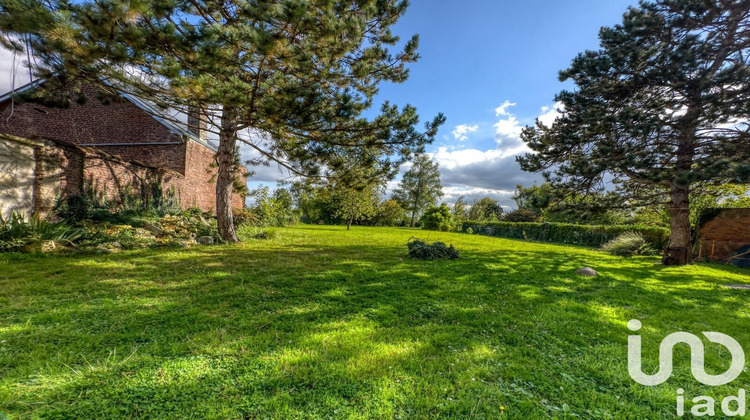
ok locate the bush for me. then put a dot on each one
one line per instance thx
(15, 232)
(249, 232)
(245, 217)
(424, 251)
(587, 235)
(437, 218)
(93, 203)
(273, 210)
(521, 215)
(628, 244)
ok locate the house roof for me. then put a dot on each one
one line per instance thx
(176, 127)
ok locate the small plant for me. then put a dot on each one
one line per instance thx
(255, 232)
(243, 217)
(469, 230)
(435, 251)
(628, 244)
(16, 232)
(91, 204)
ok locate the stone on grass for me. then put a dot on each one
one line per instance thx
(109, 247)
(587, 272)
(39, 247)
(154, 229)
(186, 243)
(205, 240)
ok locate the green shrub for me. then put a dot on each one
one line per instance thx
(587, 235)
(146, 200)
(425, 251)
(245, 217)
(275, 209)
(628, 244)
(255, 232)
(521, 215)
(16, 232)
(437, 218)
(91, 204)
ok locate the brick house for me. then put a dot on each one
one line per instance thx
(48, 151)
(723, 232)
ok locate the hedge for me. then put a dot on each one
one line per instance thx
(587, 235)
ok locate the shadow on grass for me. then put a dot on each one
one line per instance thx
(309, 330)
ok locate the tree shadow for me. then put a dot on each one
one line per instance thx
(282, 331)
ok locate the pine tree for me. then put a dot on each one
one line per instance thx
(420, 187)
(289, 78)
(659, 111)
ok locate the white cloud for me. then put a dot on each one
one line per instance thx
(503, 109)
(6, 70)
(461, 132)
(507, 128)
(451, 194)
(550, 114)
(491, 173)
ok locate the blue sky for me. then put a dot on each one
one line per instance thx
(491, 67)
(477, 56)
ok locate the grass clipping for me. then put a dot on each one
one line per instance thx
(435, 251)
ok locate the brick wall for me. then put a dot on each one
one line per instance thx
(99, 122)
(117, 128)
(727, 232)
(198, 187)
(119, 177)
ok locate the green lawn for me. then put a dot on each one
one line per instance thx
(321, 322)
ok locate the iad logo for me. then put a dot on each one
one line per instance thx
(703, 405)
(696, 352)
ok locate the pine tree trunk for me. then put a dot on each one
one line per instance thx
(225, 177)
(679, 207)
(679, 219)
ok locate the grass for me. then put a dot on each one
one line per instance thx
(321, 322)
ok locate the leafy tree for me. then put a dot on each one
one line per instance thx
(284, 200)
(660, 110)
(290, 79)
(273, 209)
(712, 197)
(354, 202)
(557, 205)
(460, 209)
(437, 218)
(536, 198)
(390, 213)
(485, 209)
(521, 215)
(311, 201)
(420, 187)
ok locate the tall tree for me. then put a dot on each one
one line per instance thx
(460, 209)
(485, 209)
(354, 203)
(420, 187)
(291, 79)
(390, 213)
(660, 110)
